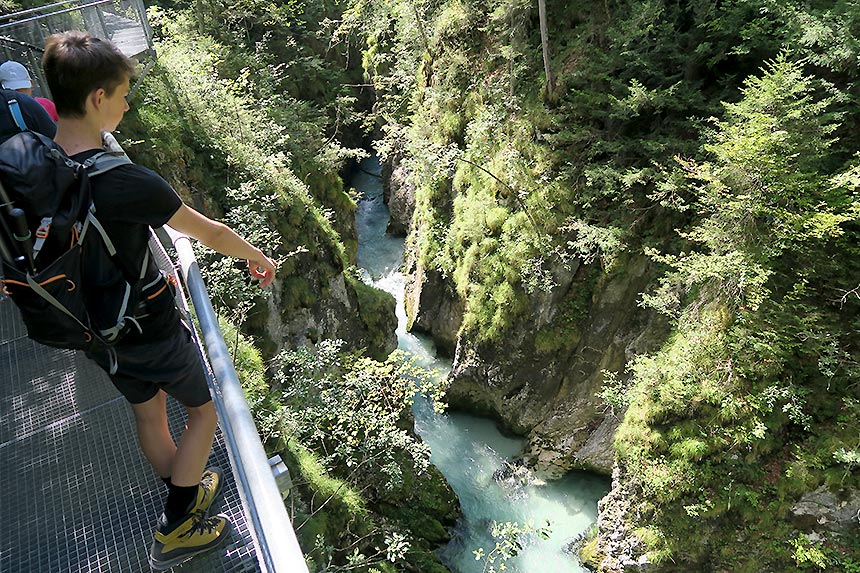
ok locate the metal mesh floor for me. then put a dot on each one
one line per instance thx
(76, 493)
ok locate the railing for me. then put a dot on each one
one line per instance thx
(278, 549)
(124, 22)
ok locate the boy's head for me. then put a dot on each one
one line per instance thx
(76, 64)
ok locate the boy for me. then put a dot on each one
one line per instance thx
(89, 78)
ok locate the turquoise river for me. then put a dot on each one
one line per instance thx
(471, 452)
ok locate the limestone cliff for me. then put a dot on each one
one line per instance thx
(432, 306)
(541, 381)
(546, 389)
(346, 309)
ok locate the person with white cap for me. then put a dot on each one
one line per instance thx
(14, 76)
(20, 112)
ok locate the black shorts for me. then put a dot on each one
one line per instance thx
(172, 365)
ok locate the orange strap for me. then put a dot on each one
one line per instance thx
(156, 293)
(43, 283)
(72, 285)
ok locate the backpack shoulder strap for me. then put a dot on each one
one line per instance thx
(104, 161)
(96, 165)
(17, 116)
(100, 163)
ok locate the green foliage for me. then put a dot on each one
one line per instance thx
(748, 371)
(744, 408)
(241, 156)
(239, 149)
(352, 408)
(809, 553)
(510, 540)
(8, 6)
(565, 331)
(320, 481)
(374, 498)
(752, 400)
(375, 307)
(246, 360)
(246, 116)
(340, 426)
(614, 393)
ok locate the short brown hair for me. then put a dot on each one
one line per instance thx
(76, 63)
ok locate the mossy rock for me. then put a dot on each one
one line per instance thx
(425, 562)
(376, 309)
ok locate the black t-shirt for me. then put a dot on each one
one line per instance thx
(35, 116)
(129, 200)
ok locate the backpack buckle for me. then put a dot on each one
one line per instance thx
(42, 231)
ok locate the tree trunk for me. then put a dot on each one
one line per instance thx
(419, 22)
(199, 14)
(544, 40)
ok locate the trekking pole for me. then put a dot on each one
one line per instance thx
(6, 245)
(21, 234)
(4, 250)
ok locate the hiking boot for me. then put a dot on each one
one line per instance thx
(189, 536)
(210, 487)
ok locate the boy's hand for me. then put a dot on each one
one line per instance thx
(262, 268)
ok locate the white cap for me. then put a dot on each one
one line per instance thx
(14, 76)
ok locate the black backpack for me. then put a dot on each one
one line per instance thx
(47, 229)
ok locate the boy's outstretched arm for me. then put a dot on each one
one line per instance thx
(223, 239)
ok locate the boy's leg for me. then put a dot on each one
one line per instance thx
(190, 457)
(181, 473)
(146, 373)
(153, 434)
(178, 539)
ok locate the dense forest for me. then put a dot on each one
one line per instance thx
(633, 224)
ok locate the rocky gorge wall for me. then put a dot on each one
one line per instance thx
(314, 296)
(542, 380)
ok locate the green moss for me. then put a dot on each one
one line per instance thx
(345, 499)
(565, 331)
(424, 561)
(590, 554)
(298, 292)
(246, 359)
(376, 309)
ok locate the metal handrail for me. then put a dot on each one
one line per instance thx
(58, 12)
(278, 549)
(18, 30)
(13, 15)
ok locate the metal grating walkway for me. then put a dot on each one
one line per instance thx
(76, 494)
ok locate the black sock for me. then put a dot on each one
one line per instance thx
(179, 500)
(167, 482)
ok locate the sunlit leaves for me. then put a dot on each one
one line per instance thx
(351, 409)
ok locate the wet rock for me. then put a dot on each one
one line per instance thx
(622, 551)
(432, 307)
(337, 314)
(398, 193)
(545, 388)
(825, 510)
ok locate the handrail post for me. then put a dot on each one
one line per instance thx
(278, 549)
